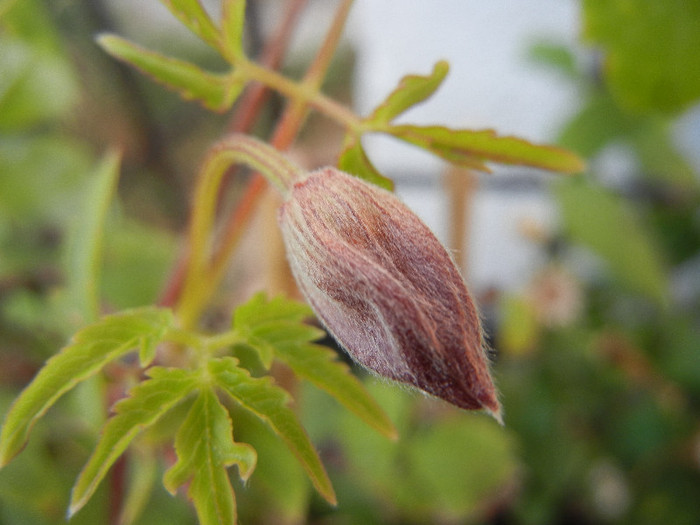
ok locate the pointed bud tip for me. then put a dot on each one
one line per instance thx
(497, 415)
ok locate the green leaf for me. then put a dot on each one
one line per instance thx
(259, 310)
(559, 57)
(216, 92)
(319, 365)
(147, 402)
(596, 125)
(269, 403)
(609, 227)
(86, 249)
(205, 447)
(232, 22)
(412, 90)
(276, 326)
(354, 160)
(650, 51)
(90, 350)
(471, 148)
(192, 14)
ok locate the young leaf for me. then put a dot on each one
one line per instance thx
(277, 327)
(473, 147)
(147, 402)
(216, 92)
(320, 366)
(354, 160)
(259, 310)
(252, 317)
(91, 349)
(192, 14)
(232, 21)
(412, 90)
(205, 447)
(269, 403)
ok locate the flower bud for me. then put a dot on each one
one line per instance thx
(385, 288)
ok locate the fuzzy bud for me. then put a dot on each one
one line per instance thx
(385, 288)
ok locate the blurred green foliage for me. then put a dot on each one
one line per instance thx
(598, 361)
(603, 396)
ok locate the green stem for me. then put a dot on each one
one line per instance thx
(303, 92)
(223, 340)
(234, 149)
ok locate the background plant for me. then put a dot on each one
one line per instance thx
(410, 478)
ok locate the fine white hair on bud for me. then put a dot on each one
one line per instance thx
(385, 288)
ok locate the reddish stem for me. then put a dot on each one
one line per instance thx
(248, 109)
(285, 133)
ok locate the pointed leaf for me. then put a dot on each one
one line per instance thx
(192, 14)
(265, 339)
(269, 403)
(232, 22)
(91, 349)
(354, 160)
(603, 222)
(412, 90)
(471, 148)
(259, 310)
(216, 92)
(86, 248)
(320, 366)
(275, 326)
(147, 402)
(205, 447)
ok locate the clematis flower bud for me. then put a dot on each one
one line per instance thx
(385, 288)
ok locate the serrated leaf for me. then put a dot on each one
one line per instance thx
(147, 402)
(269, 403)
(232, 22)
(611, 229)
(276, 327)
(259, 310)
(192, 14)
(205, 447)
(86, 248)
(412, 90)
(216, 92)
(320, 366)
(471, 148)
(90, 350)
(354, 160)
(257, 313)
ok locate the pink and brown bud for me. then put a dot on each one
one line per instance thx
(385, 288)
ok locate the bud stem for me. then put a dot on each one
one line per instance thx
(234, 149)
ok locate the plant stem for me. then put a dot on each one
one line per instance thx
(234, 149)
(250, 103)
(284, 135)
(201, 280)
(302, 92)
(246, 111)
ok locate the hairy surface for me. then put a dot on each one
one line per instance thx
(385, 288)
